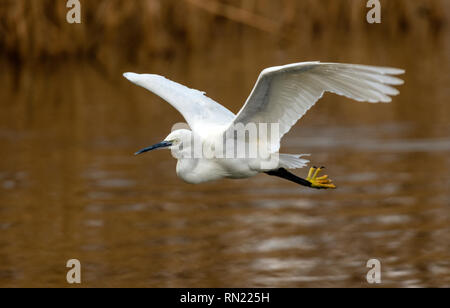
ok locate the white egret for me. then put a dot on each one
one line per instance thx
(281, 95)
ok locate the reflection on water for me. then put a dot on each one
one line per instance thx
(71, 188)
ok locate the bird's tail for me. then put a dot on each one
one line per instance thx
(293, 161)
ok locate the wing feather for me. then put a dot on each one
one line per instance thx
(283, 94)
(200, 112)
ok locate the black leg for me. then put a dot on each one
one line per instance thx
(283, 173)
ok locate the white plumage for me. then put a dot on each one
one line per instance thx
(282, 94)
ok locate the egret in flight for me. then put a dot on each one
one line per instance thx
(281, 95)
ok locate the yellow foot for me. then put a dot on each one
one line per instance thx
(319, 182)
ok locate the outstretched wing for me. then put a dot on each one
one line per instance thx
(200, 112)
(283, 94)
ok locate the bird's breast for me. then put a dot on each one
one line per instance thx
(197, 170)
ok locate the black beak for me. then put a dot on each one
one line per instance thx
(163, 144)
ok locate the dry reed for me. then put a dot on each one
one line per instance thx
(36, 29)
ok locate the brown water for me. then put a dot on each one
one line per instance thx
(71, 188)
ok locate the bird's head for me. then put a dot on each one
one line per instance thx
(177, 140)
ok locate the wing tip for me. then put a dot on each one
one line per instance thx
(130, 76)
(396, 71)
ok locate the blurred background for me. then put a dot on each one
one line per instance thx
(69, 123)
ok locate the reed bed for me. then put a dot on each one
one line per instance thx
(37, 29)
